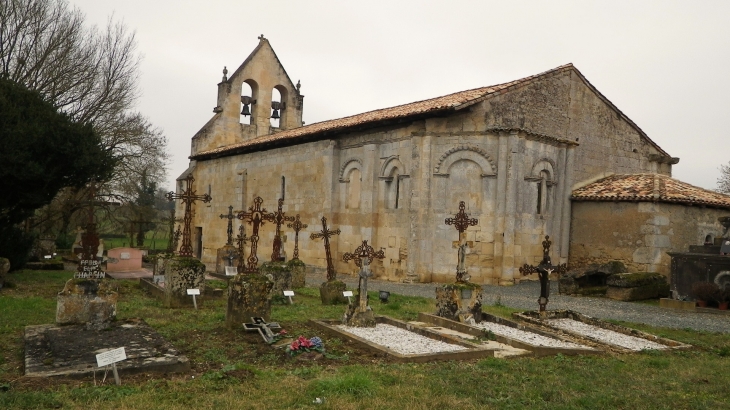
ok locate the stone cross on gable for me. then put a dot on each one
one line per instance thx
(241, 240)
(461, 221)
(297, 225)
(326, 234)
(231, 216)
(255, 217)
(544, 269)
(362, 256)
(279, 218)
(188, 197)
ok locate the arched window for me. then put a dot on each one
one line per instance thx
(283, 187)
(393, 198)
(465, 183)
(542, 192)
(353, 189)
(249, 92)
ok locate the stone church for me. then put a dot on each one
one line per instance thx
(512, 152)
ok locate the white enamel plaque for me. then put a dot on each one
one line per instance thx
(347, 293)
(288, 293)
(124, 255)
(193, 291)
(110, 356)
(231, 271)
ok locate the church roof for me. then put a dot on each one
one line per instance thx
(649, 188)
(433, 106)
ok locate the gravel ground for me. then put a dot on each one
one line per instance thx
(401, 340)
(605, 335)
(524, 336)
(524, 296)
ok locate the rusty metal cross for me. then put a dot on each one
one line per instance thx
(231, 216)
(279, 218)
(172, 238)
(544, 269)
(297, 225)
(326, 234)
(188, 197)
(461, 221)
(255, 217)
(241, 240)
(362, 256)
(89, 266)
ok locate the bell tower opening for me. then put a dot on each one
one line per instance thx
(249, 91)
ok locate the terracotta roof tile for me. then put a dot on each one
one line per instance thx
(649, 188)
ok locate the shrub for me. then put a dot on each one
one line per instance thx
(706, 291)
(15, 245)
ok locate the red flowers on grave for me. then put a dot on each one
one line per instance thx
(302, 345)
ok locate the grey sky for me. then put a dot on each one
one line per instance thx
(663, 63)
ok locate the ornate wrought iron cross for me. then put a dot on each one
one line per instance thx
(544, 269)
(231, 216)
(176, 239)
(362, 256)
(297, 225)
(255, 217)
(326, 234)
(279, 218)
(172, 241)
(461, 221)
(241, 240)
(188, 197)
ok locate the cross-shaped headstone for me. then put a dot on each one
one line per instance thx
(326, 234)
(231, 216)
(362, 256)
(241, 240)
(279, 218)
(297, 225)
(188, 197)
(264, 329)
(256, 217)
(544, 269)
(461, 221)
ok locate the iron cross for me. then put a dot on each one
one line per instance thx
(362, 256)
(255, 217)
(171, 243)
(544, 269)
(231, 216)
(89, 266)
(461, 221)
(188, 197)
(241, 240)
(326, 234)
(297, 225)
(279, 218)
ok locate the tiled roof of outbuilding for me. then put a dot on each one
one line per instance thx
(649, 188)
(450, 102)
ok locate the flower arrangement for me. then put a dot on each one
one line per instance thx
(282, 334)
(302, 345)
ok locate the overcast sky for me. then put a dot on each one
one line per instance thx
(663, 63)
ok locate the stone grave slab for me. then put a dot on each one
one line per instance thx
(466, 350)
(124, 259)
(506, 332)
(70, 351)
(610, 336)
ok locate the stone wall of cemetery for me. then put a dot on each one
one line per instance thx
(638, 233)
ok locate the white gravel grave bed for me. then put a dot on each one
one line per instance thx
(525, 336)
(400, 340)
(605, 335)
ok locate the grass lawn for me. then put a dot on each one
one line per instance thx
(149, 242)
(235, 370)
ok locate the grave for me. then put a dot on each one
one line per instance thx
(330, 292)
(429, 345)
(590, 281)
(183, 273)
(637, 286)
(227, 256)
(597, 332)
(360, 314)
(461, 300)
(124, 259)
(544, 269)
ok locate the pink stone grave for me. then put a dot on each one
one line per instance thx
(124, 259)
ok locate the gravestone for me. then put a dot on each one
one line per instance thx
(124, 259)
(249, 295)
(280, 274)
(183, 273)
(360, 314)
(330, 292)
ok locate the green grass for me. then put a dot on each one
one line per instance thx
(150, 243)
(232, 369)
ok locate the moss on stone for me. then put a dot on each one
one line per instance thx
(295, 263)
(186, 262)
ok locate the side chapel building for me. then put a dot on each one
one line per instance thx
(512, 152)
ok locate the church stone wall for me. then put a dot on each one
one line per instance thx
(637, 233)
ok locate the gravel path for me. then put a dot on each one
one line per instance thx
(524, 296)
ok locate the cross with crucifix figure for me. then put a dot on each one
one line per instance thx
(461, 221)
(231, 216)
(362, 256)
(279, 218)
(326, 234)
(241, 240)
(297, 225)
(544, 269)
(188, 197)
(255, 217)
(89, 265)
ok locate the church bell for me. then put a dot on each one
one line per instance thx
(246, 100)
(275, 106)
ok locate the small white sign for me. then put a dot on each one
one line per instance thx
(347, 293)
(110, 356)
(124, 255)
(231, 271)
(193, 292)
(288, 293)
(48, 256)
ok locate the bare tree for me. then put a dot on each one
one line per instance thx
(88, 73)
(723, 183)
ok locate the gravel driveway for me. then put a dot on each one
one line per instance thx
(524, 296)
